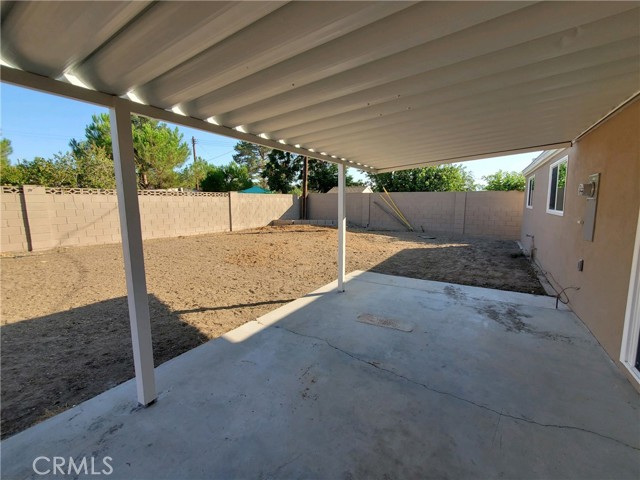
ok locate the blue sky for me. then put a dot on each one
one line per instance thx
(40, 124)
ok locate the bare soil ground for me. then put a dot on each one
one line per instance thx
(65, 331)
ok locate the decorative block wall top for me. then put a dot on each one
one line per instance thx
(101, 191)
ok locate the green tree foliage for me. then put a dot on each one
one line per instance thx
(59, 171)
(227, 178)
(158, 149)
(192, 175)
(5, 151)
(505, 181)
(92, 169)
(282, 170)
(323, 176)
(252, 156)
(95, 168)
(443, 178)
(9, 174)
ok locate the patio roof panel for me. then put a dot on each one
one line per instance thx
(387, 84)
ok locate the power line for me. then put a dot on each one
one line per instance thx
(221, 155)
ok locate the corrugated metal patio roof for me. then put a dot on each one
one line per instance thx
(389, 85)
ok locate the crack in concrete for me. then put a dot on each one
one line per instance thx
(462, 399)
(280, 467)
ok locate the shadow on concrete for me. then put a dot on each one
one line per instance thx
(279, 396)
(232, 307)
(53, 362)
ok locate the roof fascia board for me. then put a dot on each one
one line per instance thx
(549, 155)
(611, 113)
(474, 157)
(542, 159)
(56, 87)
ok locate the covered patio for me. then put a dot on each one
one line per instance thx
(394, 378)
(399, 378)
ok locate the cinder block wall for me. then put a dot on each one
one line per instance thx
(77, 219)
(489, 214)
(167, 216)
(13, 223)
(494, 214)
(39, 218)
(255, 210)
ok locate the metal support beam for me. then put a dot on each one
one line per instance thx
(305, 188)
(126, 188)
(44, 84)
(342, 226)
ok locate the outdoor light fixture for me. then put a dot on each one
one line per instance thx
(264, 135)
(297, 145)
(240, 128)
(73, 80)
(131, 95)
(212, 120)
(178, 110)
(282, 142)
(4, 63)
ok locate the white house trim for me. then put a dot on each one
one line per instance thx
(542, 159)
(554, 211)
(530, 193)
(629, 346)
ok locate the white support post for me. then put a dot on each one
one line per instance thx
(342, 226)
(126, 188)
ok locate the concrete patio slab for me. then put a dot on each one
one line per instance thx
(476, 384)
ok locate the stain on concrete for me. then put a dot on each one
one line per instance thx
(454, 293)
(396, 324)
(513, 320)
(309, 382)
(508, 316)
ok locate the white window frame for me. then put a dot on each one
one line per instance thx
(530, 192)
(560, 213)
(629, 345)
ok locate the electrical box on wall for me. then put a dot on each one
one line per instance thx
(590, 191)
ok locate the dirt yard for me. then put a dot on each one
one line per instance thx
(65, 332)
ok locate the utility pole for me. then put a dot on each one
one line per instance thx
(195, 172)
(305, 182)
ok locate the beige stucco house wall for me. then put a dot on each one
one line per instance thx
(613, 150)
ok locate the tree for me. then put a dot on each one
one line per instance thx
(323, 176)
(193, 174)
(59, 171)
(158, 149)
(9, 174)
(282, 170)
(505, 181)
(95, 168)
(227, 178)
(443, 178)
(5, 151)
(252, 156)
